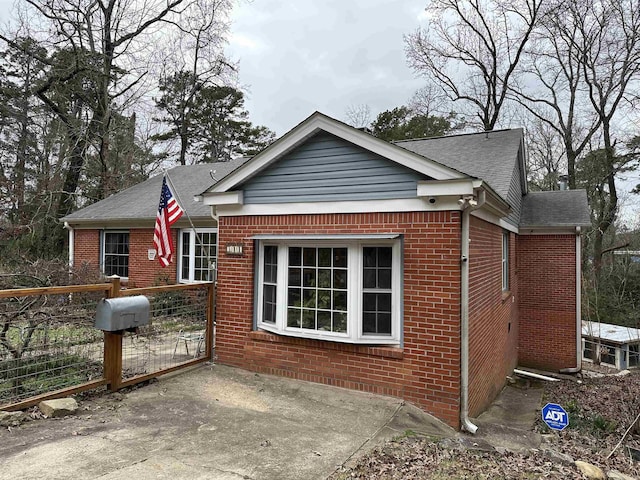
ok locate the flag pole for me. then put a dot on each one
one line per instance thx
(174, 190)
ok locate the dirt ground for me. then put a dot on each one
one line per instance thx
(601, 411)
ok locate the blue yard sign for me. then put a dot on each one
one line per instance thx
(555, 416)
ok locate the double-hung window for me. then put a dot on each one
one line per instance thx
(340, 289)
(505, 261)
(197, 253)
(115, 253)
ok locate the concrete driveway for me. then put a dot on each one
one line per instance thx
(212, 422)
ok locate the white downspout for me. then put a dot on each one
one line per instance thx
(71, 244)
(578, 366)
(467, 207)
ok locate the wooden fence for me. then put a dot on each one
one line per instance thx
(49, 347)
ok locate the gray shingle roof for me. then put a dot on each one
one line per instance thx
(140, 202)
(489, 156)
(559, 208)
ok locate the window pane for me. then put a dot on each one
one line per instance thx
(269, 304)
(295, 256)
(271, 264)
(324, 257)
(369, 256)
(384, 302)
(340, 257)
(309, 298)
(324, 321)
(369, 322)
(384, 278)
(369, 302)
(324, 278)
(309, 319)
(309, 257)
(384, 256)
(339, 322)
(369, 280)
(293, 317)
(295, 297)
(309, 277)
(295, 277)
(340, 301)
(324, 299)
(339, 279)
(384, 324)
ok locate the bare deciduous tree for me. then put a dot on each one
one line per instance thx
(358, 116)
(472, 48)
(98, 53)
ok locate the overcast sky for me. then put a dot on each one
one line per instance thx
(300, 56)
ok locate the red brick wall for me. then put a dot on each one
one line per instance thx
(425, 371)
(86, 248)
(493, 314)
(142, 271)
(547, 265)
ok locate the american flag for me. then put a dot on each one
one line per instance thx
(168, 213)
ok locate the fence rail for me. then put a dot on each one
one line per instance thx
(49, 347)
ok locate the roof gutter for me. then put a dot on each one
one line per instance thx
(467, 204)
(71, 244)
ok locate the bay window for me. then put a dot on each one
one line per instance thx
(341, 289)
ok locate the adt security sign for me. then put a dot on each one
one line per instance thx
(555, 416)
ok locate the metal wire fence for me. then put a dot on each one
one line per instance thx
(49, 346)
(176, 333)
(48, 342)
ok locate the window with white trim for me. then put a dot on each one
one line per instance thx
(505, 261)
(197, 253)
(115, 253)
(346, 290)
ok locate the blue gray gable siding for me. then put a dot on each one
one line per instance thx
(326, 168)
(516, 190)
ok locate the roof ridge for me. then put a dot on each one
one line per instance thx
(557, 191)
(457, 135)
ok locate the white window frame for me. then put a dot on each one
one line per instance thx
(103, 244)
(505, 261)
(355, 289)
(193, 238)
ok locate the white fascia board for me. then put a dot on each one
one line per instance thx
(225, 198)
(363, 206)
(437, 188)
(490, 217)
(329, 236)
(555, 230)
(496, 205)
(318, 122)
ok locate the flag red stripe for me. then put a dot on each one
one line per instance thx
(169, 212)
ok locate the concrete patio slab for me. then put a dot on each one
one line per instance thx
(212, 422)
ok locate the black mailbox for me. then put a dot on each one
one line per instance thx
(122, 313)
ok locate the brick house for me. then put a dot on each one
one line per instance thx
(115, 235)
(422, 269)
